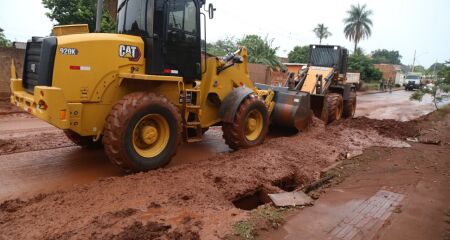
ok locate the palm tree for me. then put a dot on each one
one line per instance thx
(322, 32)
(358, 23)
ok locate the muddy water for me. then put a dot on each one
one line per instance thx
(23, 174)
(395, 105)
(28, 173)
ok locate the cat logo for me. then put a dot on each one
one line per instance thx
(131, 52)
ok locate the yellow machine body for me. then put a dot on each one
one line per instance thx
(89, 81)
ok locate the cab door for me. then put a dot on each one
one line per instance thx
(182, 43)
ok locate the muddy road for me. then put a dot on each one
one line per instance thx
(55, 163)
(70, 193)
(395, 105)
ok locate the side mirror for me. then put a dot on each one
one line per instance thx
(211, 11)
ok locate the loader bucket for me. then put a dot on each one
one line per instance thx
(292, 109)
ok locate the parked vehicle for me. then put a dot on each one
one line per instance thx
(412, 81)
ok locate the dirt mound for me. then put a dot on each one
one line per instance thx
(200, 199)
(388, 128)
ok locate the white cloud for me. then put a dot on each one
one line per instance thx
(403, 25)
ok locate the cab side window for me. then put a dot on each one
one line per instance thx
(183, 16)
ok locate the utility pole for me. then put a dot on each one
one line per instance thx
(414, 61)
(98, 23)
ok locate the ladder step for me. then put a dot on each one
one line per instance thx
(192, 107)
(193, 123)
(194, 140)
(193, 90)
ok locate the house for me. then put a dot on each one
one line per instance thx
(392, 72)
(295, 67)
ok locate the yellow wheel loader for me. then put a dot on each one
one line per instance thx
(332, 98)
(142, 91)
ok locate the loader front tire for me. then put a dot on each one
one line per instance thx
(82, 141)
(350, 106)
(335, 107)
(250, 125)
(142, 132)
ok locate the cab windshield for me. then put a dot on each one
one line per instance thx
(412, 77)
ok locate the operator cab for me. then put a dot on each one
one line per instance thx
(171, 33)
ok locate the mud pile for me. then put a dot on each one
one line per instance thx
(190, 201)
(388, 128)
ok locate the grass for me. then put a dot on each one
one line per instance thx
(244, 230)
(260, 217)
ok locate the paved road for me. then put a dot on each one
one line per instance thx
(24, 174)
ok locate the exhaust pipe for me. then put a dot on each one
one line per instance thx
(98, 22)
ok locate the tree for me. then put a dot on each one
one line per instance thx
(363, 64)
(261, 51)
(322, 32)
(4, 42)
(420, 69)
(66, 12)
(299, 54)
(358, 24)
(441, 70)
(438, 91)
(386, 56)
(222, 47)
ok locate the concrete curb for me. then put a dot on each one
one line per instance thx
(376, 92)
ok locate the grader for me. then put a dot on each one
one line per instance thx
(141, 91)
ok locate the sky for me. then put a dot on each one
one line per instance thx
(403, 25)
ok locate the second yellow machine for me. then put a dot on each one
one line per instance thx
(143, 90)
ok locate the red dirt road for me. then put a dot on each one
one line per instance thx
(62, 166)
(420, 176)
(193, 197)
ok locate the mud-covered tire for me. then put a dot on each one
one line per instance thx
(82, 141)
(350, 106)
(335, 107)
(124, 120)
(235, 134)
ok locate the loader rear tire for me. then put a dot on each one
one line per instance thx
(335, 107)
(82, 141)
(142, 132)
(250, 126)
(350, 106)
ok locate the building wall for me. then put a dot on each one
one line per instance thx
(260, 73)
(388, 70)
(6, 56)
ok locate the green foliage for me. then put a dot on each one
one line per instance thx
(261, 51)
(420, 69)
(4, 42)
(322, 32)
(439, 92)
(358, 24)
(386, 56)
(66, 12)
(222, 47)
(299, 54)
(363, 64)
(442, 71)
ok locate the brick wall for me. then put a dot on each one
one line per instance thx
(260, 73)
(6, 55)
(388, 70)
